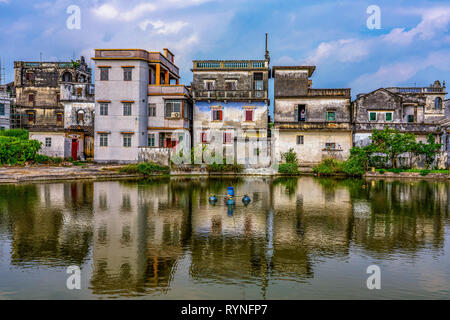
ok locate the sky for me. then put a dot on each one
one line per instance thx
(411, 47)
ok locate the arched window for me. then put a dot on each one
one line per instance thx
(80, 116)
(438, 103)
(67, 77)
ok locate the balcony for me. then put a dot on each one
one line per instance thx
(230, 95)
(168, 90)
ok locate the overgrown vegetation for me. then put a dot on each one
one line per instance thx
(16, 148)
(384, 154)
(216, 168)
(145, 169)
(290, 165)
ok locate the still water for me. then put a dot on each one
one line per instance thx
(304, 238)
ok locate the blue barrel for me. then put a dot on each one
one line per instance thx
(231, 192)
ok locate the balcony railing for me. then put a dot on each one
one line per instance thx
(230, 64)
(168, 90)
(232, 94)
(417, 90)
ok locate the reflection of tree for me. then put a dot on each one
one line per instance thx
(39, 233)
(290, 183)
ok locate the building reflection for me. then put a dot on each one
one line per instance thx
(140, 236)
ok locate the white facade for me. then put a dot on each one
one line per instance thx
(54, 144)
(5, 107)
(115, 126)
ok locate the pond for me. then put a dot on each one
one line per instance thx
(299, 238)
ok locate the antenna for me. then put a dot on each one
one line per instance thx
(40, 56)
(267, 56)
(2, 73)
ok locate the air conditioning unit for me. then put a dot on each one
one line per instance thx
(175, 115)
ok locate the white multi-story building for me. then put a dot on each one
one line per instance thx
(5, 107)
(139, 105)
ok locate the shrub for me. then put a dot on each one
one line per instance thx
(42, 159)
(145, 169)
(15, 150)
(290, 156)
(216, 168)
(328, 167)
(16, 133)
(424, 173)
(288, 168)
(382, 171)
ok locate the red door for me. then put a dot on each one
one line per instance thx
(74, 149)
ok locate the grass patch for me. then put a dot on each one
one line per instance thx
(288, 168)
(216, 168)
(145, 169)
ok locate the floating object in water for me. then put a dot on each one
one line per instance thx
(231, 192)
(231, 202)
(213, 199)
(246, 200)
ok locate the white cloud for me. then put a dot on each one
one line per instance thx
(344, 50)
(164, 27)
(108, 11)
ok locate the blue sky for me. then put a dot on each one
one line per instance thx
(411, 48)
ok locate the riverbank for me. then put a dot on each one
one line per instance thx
(12, 175)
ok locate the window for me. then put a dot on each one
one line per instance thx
(300, 113)
(217, 115)
(410, 118)
(173, 109)
(2, 109)
(127, 109)
(209, 85)
(58, 98)
(227, 137)
(79, 92)
(103, 140)
(127, 140)
(204, 137)
(59, 117)
(330, 116)
(330, 146)
(31, 97)
(151, 140)
(258, 80)
(248, 115)
(388, 116)
(31, 117)
(438, 103)
(127, 74)
(300, 139)
(30, 77)
(67, 77)
(80, 116)
(231, 85)
(104, 74)
(372, 116)
(48, 142)
(152, 110)
(103, 109)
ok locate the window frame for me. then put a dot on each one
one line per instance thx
(127, 140)
(173, 103)
(386, 114)
(2, 109)
(214, 113)
(104, 74)
(127, 74)
(103, 139)
(127, 109)
(410, 116)
(327, 113)
(213, 85)
(152, 106)
(252, 113)
(150, 135)
(48, 142)
(300, 140)
(103, 107)
(376, 116)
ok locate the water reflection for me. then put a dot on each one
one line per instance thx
(139, 238)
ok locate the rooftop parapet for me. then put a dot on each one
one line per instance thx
(200, 65)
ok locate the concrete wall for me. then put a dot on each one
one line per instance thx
(312, 151)
(60, 147)
(115, 123)
(160, 156)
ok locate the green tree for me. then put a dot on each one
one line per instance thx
(392, 143)
(430, 150)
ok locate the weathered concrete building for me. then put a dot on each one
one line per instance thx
(316, 123)
(231, 99)
(141, 109)
(38, 105)
(5, 107)
(79, 115)
(418, 110)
